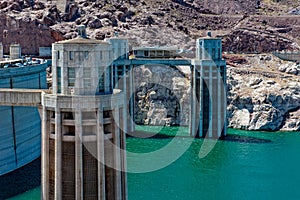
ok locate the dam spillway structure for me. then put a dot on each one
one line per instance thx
(82, 124)
(208, 90)
(20, 126)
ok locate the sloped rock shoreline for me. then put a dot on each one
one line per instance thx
(260, 97)
(243, 25)
(161, 96)
(265, 100)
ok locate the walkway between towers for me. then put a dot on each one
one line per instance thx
(206, 119)
(123, 69)
(288, 55)
(169, 62)
(21, 97)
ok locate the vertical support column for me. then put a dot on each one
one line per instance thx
(100, 154)
(54, 74)
(225, 101)
(107, 80)
(193, 101)
(201, 78)
(64, 81)
(116, 137)
(45, 155)
(204, 53)
(123, 157)
(126, 93)
(210, 101)
(112, 80)
(78, 156)
(124, 163)
(219, 101)
(116, 74)
(58, 156)
(132, 93)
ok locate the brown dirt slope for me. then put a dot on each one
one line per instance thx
(263, 22)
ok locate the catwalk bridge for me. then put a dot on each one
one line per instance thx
(21, 97)
(293, 56)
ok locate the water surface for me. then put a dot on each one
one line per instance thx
(232, 170)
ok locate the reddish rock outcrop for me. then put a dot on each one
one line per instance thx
(30, 34)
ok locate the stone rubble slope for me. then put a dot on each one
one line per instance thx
(260, 96)
(238, 22)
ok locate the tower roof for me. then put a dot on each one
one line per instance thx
(81, 40)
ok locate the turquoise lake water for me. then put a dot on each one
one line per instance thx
(231, 170)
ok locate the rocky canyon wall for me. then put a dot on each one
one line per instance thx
(263, 96)
(29, 33)
(161, 96)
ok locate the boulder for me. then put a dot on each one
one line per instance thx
(240, 119)
(47, 21)
(295, 11)
(72, 14)
(95, 24)
(292, 122)
(3, 4)
(266, 118)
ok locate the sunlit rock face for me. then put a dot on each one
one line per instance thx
(263, 96)
(260, 95)
(161, 96)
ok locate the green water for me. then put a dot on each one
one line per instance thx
(232, 170)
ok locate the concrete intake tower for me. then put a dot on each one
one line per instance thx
(82, 125)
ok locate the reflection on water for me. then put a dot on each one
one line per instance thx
(232, 170)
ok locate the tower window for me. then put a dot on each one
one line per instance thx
(71, 55)
(101, 56)
(101, 81)
(71, 77)
(86, 72)
(87, 78)
(86, 54)
(58, 71)
(146, 53)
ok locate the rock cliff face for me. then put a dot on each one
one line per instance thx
(39, 23)
(161, 96)
(28, 32)
(260, 96)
